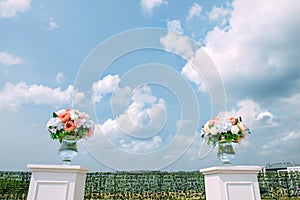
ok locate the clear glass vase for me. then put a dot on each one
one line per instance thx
(67, 151)
(225, 152)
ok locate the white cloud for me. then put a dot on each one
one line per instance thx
(175, 25)
(59, 77)
(218, 13)
(139, 115)
(252, 114)
(9, 59)
(279, 145)
(112, 132)
(145, 110)
(195, 11)
(79, 97)
(293, 101)
(178, 43)
(142, 146)
(139, 111)
(257, 42)
(192, 74)
(104, 86)
(144, 95)
(13, 96)
(149, 5)
(9, 8)
(265, 116)
(52, 24)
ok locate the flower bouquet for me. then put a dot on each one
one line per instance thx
(224, 132)
(68, 126)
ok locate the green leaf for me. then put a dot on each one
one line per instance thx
(54, 114)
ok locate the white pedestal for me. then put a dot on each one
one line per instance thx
(59, 182)
(231, 182)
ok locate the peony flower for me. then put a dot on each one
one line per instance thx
(70, 126)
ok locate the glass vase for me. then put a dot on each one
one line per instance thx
(67, 151)
(225, 152)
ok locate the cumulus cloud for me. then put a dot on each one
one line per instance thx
(178, 43)
(258, 42)
(104, 86)
(174, 25)
(14, 95)
(219, 14)
(195, 11)
(8, 59)
(9, 8)
(253, 114)
(149, 5)
(144, 110)
(110, 129)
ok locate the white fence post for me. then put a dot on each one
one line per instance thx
(59, 182)
(231, 182)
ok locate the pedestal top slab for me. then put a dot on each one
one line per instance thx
(231, 169)
(57, 168)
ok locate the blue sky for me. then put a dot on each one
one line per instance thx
(149, 103)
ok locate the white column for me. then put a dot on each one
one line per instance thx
(59, 182)
(231, 182)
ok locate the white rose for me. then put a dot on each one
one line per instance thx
(213, 130)
(235, 129)
(74, 114)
